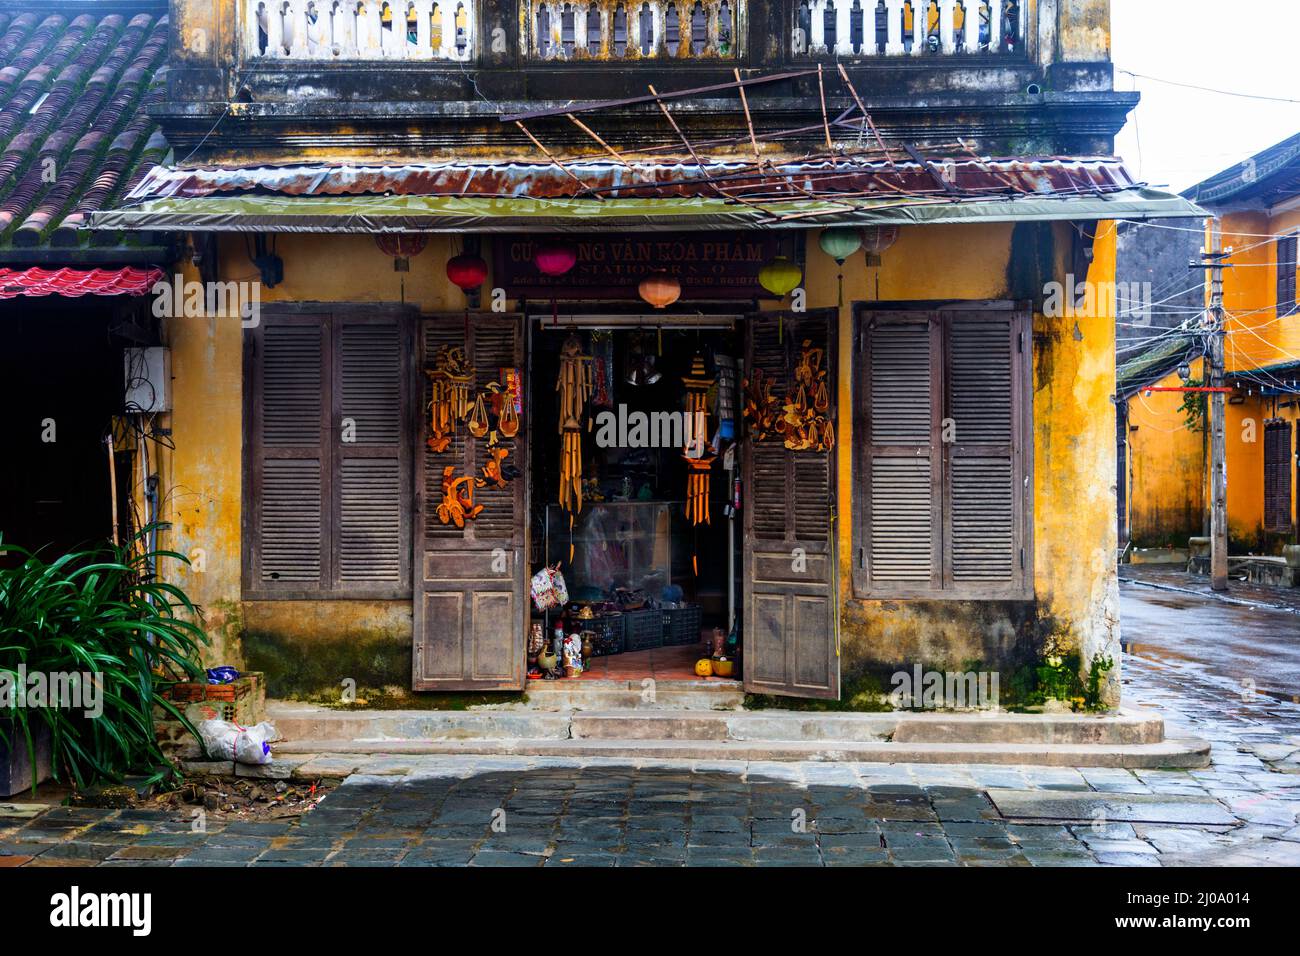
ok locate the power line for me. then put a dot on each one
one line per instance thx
(1210, 89)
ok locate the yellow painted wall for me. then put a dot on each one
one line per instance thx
(1166, 468)
(1257, 336)
(1073, 427)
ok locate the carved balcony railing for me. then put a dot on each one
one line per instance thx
(908, 27)
(359, 29)
(634, 29)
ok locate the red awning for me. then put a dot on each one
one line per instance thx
(77, 282)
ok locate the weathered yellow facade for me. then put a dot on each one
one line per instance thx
(312, 645)
(1168, 461)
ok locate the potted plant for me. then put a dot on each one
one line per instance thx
(88, 642)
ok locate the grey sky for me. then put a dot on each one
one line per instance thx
(1176, 136)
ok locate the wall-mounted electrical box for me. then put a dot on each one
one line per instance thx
(148, 382)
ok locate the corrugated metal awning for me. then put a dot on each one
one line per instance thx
(398, 213)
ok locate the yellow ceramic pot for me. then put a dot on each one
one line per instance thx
(721, 667)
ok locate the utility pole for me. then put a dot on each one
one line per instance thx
(1218, 440)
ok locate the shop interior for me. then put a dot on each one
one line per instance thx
(634, 527)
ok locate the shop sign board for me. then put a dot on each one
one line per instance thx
(710, 265)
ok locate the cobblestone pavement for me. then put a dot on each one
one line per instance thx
(484, 811)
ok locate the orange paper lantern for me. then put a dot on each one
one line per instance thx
(660, 289)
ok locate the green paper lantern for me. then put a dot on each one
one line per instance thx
(780, 276)
(840, 242)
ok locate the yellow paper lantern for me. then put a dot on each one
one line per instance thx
(780, 276)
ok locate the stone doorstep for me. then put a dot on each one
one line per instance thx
(344, 757)
(302, 723)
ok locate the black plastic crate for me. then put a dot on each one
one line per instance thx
(682, 625)
(643, 630)
(608, 631)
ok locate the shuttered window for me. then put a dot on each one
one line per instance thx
(1286, 275)
(1277, 476)
(942, 452)
(327, 486)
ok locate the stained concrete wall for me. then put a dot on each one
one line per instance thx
(310, 646)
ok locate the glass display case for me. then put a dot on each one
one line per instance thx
(633, 545)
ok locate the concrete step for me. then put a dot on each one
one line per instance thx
(306, 722)
(773, 725)
(603, 695)
(342, 757)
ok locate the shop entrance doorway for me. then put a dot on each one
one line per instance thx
(633, 480)
(625, 458)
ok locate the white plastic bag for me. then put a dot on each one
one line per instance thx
(224, 740)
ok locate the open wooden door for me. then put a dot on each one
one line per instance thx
(790, 605)
(470, 590)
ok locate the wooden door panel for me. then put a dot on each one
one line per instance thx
(469, 626)
(790, 602)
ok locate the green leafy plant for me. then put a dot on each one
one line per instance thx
(1194, 406)
(105, 613)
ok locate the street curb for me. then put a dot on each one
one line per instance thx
(1211, 596)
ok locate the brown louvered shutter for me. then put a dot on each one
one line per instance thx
(1277, 476)
(1286, 275)
(328, 486)
(789, 511)
(983, 516)
(941, 466)
(899, 426)
(373, 475)
(287, 514)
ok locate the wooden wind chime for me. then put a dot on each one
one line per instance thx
(574, 386)
(699, 456)
(450, 379)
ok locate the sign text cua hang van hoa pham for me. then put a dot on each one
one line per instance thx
(709, 265)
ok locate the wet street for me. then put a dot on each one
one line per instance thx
(1192, 658)
(1234, 646)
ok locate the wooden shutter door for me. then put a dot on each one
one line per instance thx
(982, 454)
(372, 478)
(1277, 476)
(470, 584)
(287, 515)
(898, 432)
(790, 599)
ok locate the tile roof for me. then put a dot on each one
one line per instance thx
(1270, 176)
(77, 282)
(74, 131)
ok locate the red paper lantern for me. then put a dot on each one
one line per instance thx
(555, 258)
(468, 272)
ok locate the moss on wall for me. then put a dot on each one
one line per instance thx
(309, 649)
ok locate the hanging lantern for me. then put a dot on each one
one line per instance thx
(839, 243)
(780, 276)
(660, 289)
(876, 239)
(402, 246)
(467, 272)
(555, 258)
